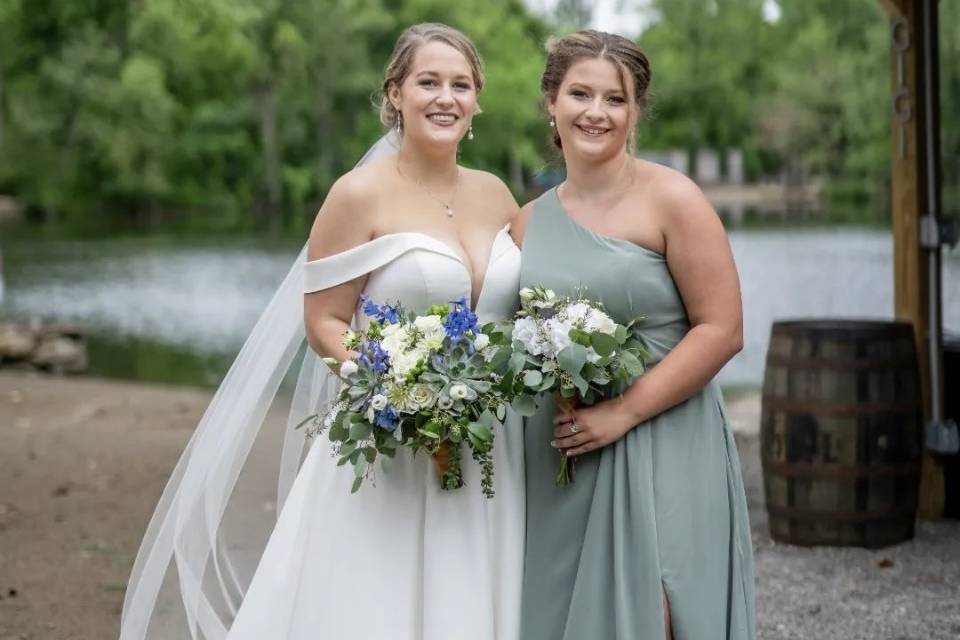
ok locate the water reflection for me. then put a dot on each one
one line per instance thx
(174, 313)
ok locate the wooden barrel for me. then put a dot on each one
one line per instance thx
(841, 432)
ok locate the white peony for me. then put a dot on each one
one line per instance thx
(348, 368)
(481, 342)
(378, 402)
(525, 330)
(599, 321)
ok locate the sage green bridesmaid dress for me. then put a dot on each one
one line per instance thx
(662, 509)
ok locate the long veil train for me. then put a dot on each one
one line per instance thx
(188, 580)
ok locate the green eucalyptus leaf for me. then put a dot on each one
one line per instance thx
(524, 405)
(517, 360)
(548, 382)
(603, 343)
(360, 431)
(357, 483)
(480, 431)
(572, 358)
(532, 378)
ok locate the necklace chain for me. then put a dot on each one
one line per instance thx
(447, 204)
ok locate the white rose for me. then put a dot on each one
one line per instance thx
(577, 312)
(348, 368)
(378, 402)
(525, 330)
(559, 334)
(422, 396)
(481, 342)
(458, 391)
(599, 321)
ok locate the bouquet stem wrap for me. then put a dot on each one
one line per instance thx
(568, 466)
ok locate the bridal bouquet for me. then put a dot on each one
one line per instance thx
(569, 346)
(419, 382)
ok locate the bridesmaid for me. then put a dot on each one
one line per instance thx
(652, 540)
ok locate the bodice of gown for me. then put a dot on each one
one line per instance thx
(419, 270)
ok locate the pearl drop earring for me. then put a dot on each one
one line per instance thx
(552, 123)
(470, 133)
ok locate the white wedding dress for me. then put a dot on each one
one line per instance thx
(402, 560)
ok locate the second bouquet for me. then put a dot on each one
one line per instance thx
(571, 347)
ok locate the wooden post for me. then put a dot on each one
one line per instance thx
(908, 203)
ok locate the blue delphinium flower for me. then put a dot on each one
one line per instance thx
(373, 356)
(460, 320)
(385, 314)
(386, 418)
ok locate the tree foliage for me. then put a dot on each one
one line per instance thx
(239, 114)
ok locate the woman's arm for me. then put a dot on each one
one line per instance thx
(344, 221)
(701, 263)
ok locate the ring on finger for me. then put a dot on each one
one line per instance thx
(574, 428)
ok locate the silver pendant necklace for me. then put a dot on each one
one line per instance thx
(446, 204)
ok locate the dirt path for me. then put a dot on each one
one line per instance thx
(83, 462)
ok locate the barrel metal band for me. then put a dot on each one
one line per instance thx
(906, 364)
(803, 513)
(837, 409)
(837, 470)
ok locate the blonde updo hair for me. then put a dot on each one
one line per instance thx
(563, 53)
(401, 60)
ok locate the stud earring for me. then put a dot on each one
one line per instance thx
(470, 133)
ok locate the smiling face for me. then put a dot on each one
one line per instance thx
(593, 110)
(438, 97)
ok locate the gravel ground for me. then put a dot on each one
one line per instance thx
(83, 461)
(909, 591)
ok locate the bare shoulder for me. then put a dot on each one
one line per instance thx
(519, 226)
(676, 197)
(494, 190)
(348, 214)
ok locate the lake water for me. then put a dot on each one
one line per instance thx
(169, 312)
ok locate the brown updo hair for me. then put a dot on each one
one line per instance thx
(401, 60)
(626, 56)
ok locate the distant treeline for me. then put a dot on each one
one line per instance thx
(239, 114)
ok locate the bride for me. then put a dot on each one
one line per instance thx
(402, 560)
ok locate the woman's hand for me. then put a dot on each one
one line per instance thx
(589, 428)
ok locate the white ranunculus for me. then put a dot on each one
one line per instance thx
(525, 330)
(458, 391)
(481, 342)
(378, 402)
(559, 334)
(348, 368)
(422, 396)
(599, 321)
